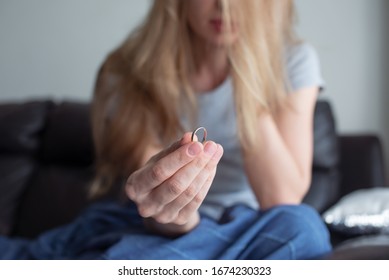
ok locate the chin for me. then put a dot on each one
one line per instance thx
(222, 40)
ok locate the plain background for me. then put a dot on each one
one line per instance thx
(52, 49)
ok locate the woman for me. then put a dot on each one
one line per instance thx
(236, 68)
(233, 61)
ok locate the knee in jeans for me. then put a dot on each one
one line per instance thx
(306, 231)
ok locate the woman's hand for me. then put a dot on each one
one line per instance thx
(172, 185)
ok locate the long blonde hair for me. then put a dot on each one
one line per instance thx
(144, 84)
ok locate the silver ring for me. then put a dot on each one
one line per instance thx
(204, 133)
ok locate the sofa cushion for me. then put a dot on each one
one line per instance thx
(21, 125)
(364, 211)
(55, 195)
(326, 144)
(67, 138)
(368, 247)
(324, 189)
(15, 171)
(362, 162)
(325, 183)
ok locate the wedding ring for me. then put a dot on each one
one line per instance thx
(197, 130)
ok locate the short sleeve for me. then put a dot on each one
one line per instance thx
(303, 67)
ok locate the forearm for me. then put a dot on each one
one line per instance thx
(273, 170)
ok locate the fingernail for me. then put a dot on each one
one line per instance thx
(194, 149)
(210, 148)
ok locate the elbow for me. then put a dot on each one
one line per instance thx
(300, 184)
(305, 184)
(301, 187)
(291, 192)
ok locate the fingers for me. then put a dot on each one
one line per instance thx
(182, 206)
(167, 166)
(185, 212)
(163, 166)
(174, 183)
(179, 210)
(180, 182)
(194, 205)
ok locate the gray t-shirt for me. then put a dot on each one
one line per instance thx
(217, 115)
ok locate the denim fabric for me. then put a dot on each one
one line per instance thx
(113, 231)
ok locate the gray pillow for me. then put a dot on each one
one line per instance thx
(364, 211)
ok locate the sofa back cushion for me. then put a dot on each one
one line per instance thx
(325, 183)
(21, 127)
(67, 138)
(58, 188)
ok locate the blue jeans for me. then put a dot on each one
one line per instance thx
(113, 231)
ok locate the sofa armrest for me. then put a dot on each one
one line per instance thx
(361, 162)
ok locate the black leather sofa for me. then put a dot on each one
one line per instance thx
(46, 164)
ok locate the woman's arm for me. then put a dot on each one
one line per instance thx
(279, 169)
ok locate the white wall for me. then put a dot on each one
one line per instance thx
(52, 48)
(352, 38)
